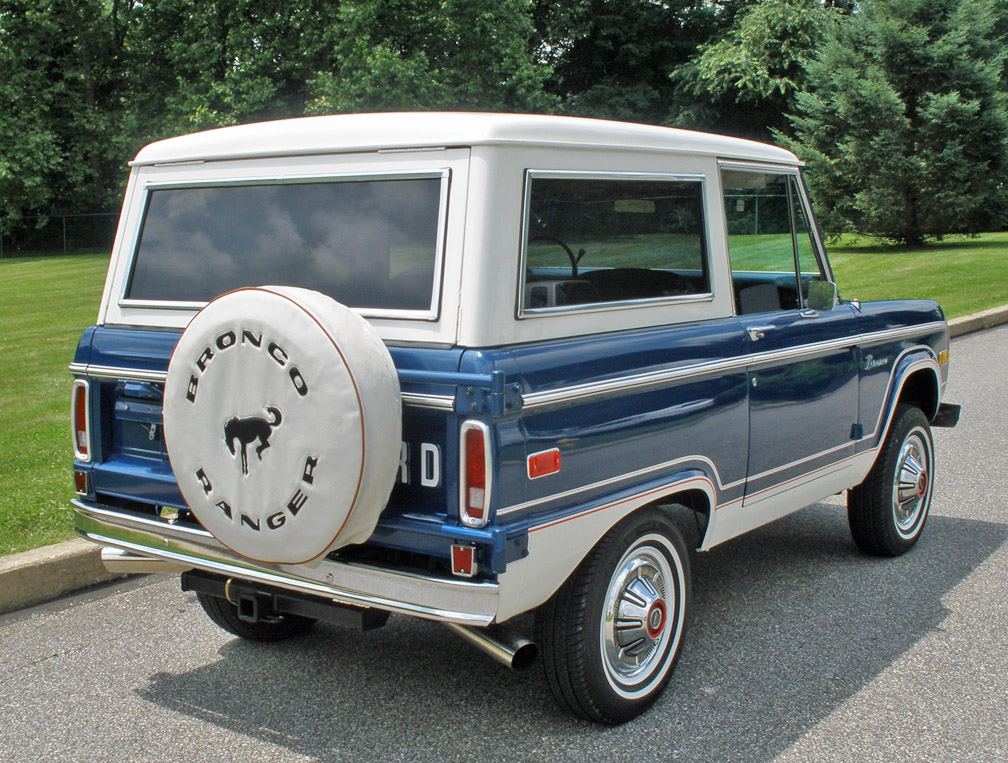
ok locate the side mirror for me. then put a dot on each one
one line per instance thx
(822, 296)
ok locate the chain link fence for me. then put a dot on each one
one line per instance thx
(90, 232)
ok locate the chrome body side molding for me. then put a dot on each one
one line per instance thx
(414, 400)
(642, 382)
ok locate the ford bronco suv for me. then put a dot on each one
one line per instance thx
(467, 366)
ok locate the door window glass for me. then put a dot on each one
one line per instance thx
(773, 258)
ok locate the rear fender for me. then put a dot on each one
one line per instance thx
(556, 547)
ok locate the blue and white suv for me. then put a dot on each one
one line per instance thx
(466, 366)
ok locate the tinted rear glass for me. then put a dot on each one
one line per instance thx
(366, 243)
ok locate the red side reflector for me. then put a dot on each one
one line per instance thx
(81, 482)
(541, 464)
(463, 559)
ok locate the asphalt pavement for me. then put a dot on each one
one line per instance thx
(799, 649)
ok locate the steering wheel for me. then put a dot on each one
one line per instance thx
(574, 259)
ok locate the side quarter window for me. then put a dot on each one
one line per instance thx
(593, 240)
(773, 257)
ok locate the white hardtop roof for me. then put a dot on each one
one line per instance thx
(370, 132)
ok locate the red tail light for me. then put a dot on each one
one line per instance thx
(474, 493)
(80, 417)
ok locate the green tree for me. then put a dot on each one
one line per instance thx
(744, 83)
(903, 121)
(613, 58)
(59, 105)
(432, 54)
(196, 64)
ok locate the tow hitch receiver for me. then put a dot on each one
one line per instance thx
(257, 603)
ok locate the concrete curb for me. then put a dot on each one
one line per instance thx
(979, 321)
(44, 574)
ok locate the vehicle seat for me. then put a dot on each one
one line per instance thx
(760, 298)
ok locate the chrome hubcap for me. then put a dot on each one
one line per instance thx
(642, 596)
(911, 484)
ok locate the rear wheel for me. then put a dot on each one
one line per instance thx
(612, 634)
(887, 511)
(275, 628)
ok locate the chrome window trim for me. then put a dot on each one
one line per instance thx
(628, 304)
(814, 232)
(799, 186)
(431, 315)
(523, 313)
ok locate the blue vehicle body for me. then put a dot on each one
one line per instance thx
(632, 413)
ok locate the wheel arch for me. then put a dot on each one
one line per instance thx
(556, 549)
(920, 389)
(915, 381)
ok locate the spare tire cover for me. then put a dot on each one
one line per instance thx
(283, 423)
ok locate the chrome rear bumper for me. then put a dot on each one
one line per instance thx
(146, 544)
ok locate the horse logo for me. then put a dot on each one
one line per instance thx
(246, 430)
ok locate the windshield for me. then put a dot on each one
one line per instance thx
(370, 243)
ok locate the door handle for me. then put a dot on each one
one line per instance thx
(758, 332)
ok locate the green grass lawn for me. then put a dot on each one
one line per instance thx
(45, 303)
(963, 275)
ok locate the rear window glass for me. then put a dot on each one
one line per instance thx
(368, 243)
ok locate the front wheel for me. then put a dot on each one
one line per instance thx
(887, 511)
(612, 634)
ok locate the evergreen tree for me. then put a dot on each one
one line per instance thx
(744, 83)
(903, 121)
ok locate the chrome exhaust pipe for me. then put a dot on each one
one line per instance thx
(506, 647)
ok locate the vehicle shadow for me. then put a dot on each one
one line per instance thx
(789, 622)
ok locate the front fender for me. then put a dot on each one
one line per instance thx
(915, 379)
